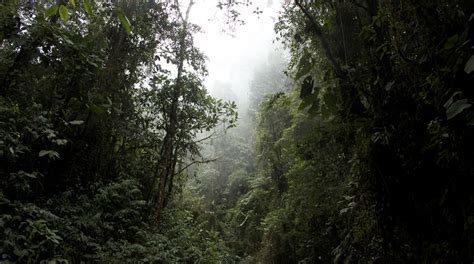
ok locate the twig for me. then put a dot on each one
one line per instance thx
(196, 162)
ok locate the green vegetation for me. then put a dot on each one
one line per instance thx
(358, 150)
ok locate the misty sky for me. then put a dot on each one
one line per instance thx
(233, 59)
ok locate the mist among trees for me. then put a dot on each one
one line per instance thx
(348, 140)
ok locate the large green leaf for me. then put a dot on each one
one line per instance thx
(51, 11)
(124, 21)
(51, 154)
(456, 108)
(451, 100)
(63, 13)
(88, 6)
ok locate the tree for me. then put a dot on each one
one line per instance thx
(83, 133)
(393, 97)
(186, 97)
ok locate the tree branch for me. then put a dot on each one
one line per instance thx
(196, 162)
(185, 18)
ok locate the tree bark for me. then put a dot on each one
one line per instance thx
(168, 155)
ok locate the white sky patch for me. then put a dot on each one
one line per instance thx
(233, 59)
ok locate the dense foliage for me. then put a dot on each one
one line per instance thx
(86, 126)
(399, 78)
(369, 159)
(358, 148)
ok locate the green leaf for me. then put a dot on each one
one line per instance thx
(51, 154)
(125, 22)
(343, 211)
(451, 100)
(30, 175)
(456, 108)
(389, 86)
(63, 13)
(76, 122)
(88, 6)
(51, 11)
(26, 174)
(469, 65)
(451, 42)
(61, 142)
(67, 40)
(72, 2)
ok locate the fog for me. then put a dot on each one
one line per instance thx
(234, 51)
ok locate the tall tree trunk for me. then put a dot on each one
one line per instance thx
(168, 155)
